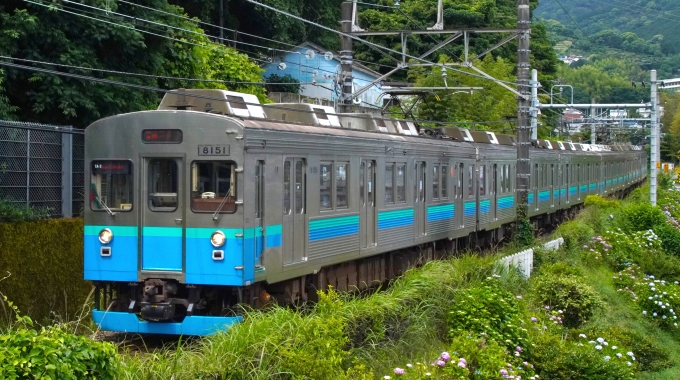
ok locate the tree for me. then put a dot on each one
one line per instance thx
(290, 84)
(47, 34)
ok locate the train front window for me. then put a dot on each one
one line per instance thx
(111, 186)
(213, 187)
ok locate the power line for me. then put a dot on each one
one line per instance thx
(574, 21)
(205, 23)
(156, 89)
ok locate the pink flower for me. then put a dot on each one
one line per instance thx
(399, 371)
(461, 364)
(445, 356)
(504, 372)
(533, 319)
(441, 363)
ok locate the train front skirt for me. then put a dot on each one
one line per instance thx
(191, 325)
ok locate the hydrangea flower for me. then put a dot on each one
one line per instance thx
(581, 335)
(600, 340)
(606, 358)
(445, 356)
(399, 371)
(598, 347)
(441, 363)
(533, 319)
(504, 372)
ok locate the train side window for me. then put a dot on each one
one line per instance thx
(389, 183)
(341, 178)
(286, 188)
(435, 181)
(111, 186)
(535, 176)
(501, 180)
(259, 189)
(213, 186)
(362, 183)
(401, 183)
(445, 181)
(325, 190)
(299, 187)
(471, 181)
(482, 180)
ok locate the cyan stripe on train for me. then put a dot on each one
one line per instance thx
(563, 193)
(593, 186)
(321, 229)
(393, 219)
(470, 208)
(506, 202)
(556, 194)
(485, 206)
(584, 188)
(530, 198)
(573, 190)
(544, 196)
(440, 212)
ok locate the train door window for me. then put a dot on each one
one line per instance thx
(445, 181)
(325, 186)
(493, 180)
(163, 184)
(578, 173)
(460, 181)
(389, 183)
(482, 180)
(501, 180)
(286, 188)
(553, 175)
(508, 180)
(259, 189)
(566, 175)
(341, 178)
(213, 187)
(299, 187)
(435, 181)
(362, 183)
(535, 176)
(401, 183)
(471, 181)
(111, 186)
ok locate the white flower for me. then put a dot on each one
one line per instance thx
(630, 353)
(654, 315)
(644, 312)
(605, 343)
(386, 377)
(664, 317)
(428, 374)
(600, 340)
(581, 335)
(606, 358)
(409, 365)
(613, 347)
(629, 364)
(618, 355)
(598, 347)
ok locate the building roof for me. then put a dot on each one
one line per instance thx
(321, 50)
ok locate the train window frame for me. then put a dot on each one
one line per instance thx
(400, 196)
(436, 180)
(322, 187)
(153, 178)
(389, 183)
(232, 188)
(336, 184)
(481, 183)
(130, 179)
(471, 172)
(445, 181)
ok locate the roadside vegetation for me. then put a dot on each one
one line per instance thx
(604, 306)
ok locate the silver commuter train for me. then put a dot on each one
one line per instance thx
(204, 205)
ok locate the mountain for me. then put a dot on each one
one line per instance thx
(644, 32)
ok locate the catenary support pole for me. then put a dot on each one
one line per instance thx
(523, 103)
(534, 103)
(593, 130)
(346, 58)
(654, 141)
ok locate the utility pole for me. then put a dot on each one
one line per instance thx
(346, 58)
(593, 113)
(222, 21)
(534, 103)
(523, 113)
(654, 140)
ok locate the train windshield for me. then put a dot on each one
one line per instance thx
(213, 186)
(111, 186)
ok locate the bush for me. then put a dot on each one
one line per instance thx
(641, 217)
(670, 238)
(599, 201)
(487, 358)
(52, 353)
(11, 212)
(575, 234)
(560, 269)
(45, 262)
(650, 356)
(488, 310)
(560, 359)
(568, 293)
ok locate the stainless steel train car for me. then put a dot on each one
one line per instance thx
(207, 204)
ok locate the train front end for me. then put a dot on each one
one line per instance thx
(164, 236)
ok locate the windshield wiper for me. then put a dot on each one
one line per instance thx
(104, 204)
(219, 208)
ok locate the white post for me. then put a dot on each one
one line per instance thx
(593, 113)
(654, 140)
(534, 104)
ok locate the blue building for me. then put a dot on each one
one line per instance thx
(324, 71)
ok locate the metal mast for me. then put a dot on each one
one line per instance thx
(346, 57)
(523, 109)
(654, 140)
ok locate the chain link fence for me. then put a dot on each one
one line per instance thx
(42, 166)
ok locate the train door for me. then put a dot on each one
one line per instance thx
(294, 211)
(367, 200)
(259, 207)
(162, 228)
(420, 205)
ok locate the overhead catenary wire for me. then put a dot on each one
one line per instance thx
(176, 92)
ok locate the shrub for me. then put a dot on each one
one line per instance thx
(560, 269)
(670, 238)
(599, 201)
(561, 359)
(11, 212)
(45, 260)
(568, 293)
(486, 359)
(575, 234)
(52, 353)
(658, 299)
(488, 310)
(650, 355)
(640, 217)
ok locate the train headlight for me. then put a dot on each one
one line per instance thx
(105, 236)
(218, 239)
